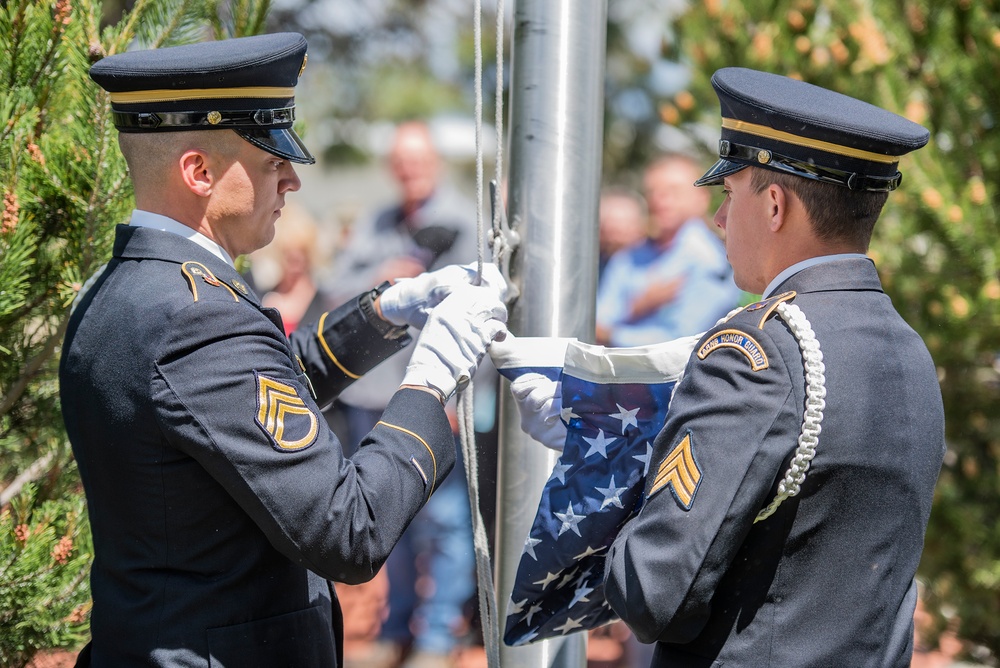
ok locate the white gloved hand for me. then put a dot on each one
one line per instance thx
(455, 338)
(539, 402)
(538, 399)
(409, 300)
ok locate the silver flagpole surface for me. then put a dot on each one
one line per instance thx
(556, 133)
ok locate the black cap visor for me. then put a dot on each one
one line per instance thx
(719, 171)
(283, 143)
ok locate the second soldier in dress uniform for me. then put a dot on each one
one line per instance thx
(221, 504)
(725, 565)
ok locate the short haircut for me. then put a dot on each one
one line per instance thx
(837, 213)
(148, 154)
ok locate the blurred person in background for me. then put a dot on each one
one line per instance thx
(294, 255)
(623, 222)
(678, 281)
(432, 574)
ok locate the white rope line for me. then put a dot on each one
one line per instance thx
(466, 423)
(815, 370)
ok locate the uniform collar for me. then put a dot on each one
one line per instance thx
(853, 272)
(137, 242)
(805, 264)
(156, 221)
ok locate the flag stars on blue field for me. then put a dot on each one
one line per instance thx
(644, 459)
(516, 608)
(569, 625)
(549, 578)
(559, 471)
(589, 552)
(598, 478)
(612, 494)
(532, 611)
(567, 578)
(599, 445)
(569, 520)
(627, 416)
(581, 595)
(529, 547)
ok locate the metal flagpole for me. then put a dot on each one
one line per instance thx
(556, 123)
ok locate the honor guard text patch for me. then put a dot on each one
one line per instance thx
(284, 416)
(679, 471)
(733, 338)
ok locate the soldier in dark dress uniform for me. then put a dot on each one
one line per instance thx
(790, 488)
(221, 503)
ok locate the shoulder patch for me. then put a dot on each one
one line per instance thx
(680, 472)
(741, 341)
(283, 416)
(196, 270)
(768, 305)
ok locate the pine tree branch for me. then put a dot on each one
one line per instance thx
(171, 26)
(16, 46)
(36, 470)
(33, 367)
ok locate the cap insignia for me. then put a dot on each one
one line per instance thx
(283, 416)
(680, 472)
(305, 59)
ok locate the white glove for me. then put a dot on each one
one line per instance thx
(455, 338)
(539, 402)
(538, 399)
(409, 300)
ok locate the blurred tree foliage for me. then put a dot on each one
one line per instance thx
(64, 187)
(937, 245)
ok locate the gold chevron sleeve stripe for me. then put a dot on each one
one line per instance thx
(434, 470)
(277, 400)
(680, 472)
(789, 138)
(326, 347)
(146, 96)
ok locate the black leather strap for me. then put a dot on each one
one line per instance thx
(366, 302)
(762, 157)
(252, 118)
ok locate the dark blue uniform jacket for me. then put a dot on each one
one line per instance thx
(828, 580)
(221, 503)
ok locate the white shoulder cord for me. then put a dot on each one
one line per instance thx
(466, 421)
(812, 359)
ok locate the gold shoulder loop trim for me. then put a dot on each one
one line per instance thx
(326, 348)
(193, 270)
(772, 304)
(423, 442)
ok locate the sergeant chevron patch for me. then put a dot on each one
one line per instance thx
(283, 416)
(734, 338)
(680, 472)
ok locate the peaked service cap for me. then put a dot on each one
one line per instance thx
(245, 84)
(790, 126)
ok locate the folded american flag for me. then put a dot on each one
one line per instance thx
(614, 403)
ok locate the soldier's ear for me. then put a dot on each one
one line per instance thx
(777, 200)
(195, 172)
